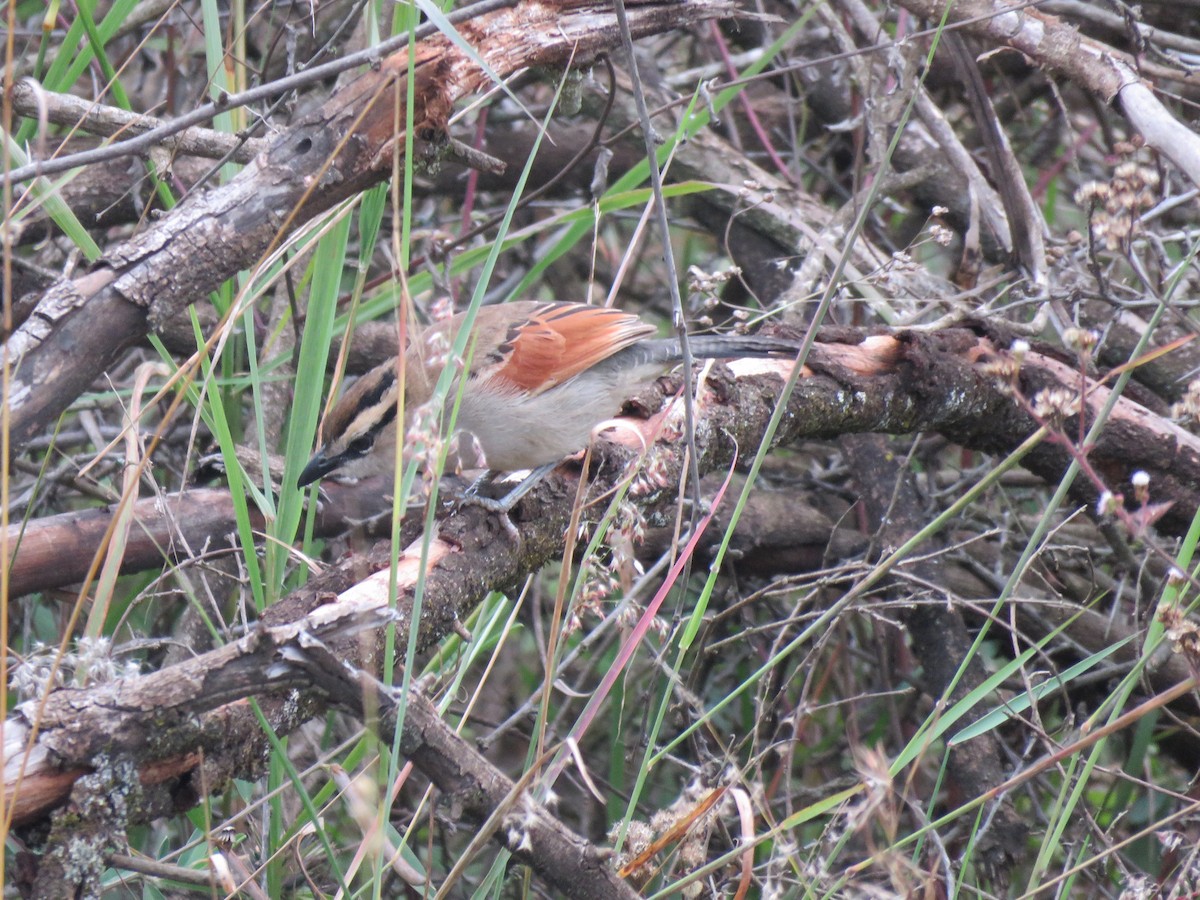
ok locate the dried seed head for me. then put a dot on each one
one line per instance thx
(1080, 340)
(1118, 205)
(1187, 411)
(1004, 370)
(1055, 405)
(942, 236)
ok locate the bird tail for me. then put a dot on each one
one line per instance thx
(732, 346)
(664, 352)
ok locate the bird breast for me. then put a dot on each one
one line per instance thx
(521, 430)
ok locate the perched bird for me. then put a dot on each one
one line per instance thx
(539, 378)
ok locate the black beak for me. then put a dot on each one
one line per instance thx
(319, 466)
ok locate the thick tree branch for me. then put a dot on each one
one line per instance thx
(855, 382)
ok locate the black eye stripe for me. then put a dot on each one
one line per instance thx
(374, 387)
(362, 444)
(373, 396)
(388, 416)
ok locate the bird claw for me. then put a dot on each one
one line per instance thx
(471, 497)
(502, 507)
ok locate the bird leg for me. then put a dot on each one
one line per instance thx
(506, 503)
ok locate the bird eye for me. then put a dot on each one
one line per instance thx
(360, 445)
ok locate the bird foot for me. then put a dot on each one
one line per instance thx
(502, 507)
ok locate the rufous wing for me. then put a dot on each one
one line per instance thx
(557, 341)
